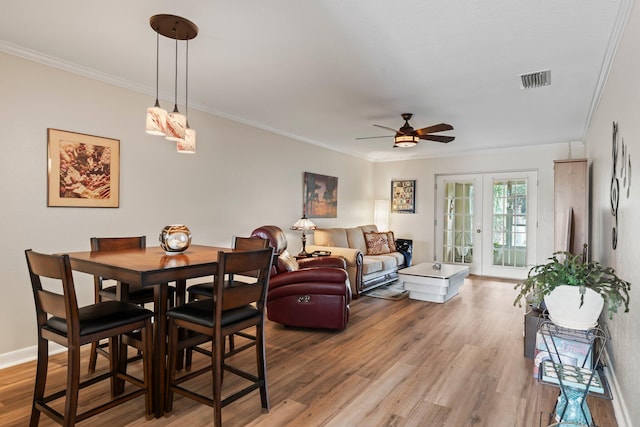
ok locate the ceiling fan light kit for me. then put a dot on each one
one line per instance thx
(405, 141)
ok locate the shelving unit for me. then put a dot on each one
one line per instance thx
(576, 378)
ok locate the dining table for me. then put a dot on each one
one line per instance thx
(152, 266)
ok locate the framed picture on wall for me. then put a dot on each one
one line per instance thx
(320, 195)
(403, 196)
(83, 170)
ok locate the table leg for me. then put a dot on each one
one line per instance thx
(181, 291)
(160, 347)
(122, 294)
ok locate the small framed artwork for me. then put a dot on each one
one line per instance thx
(403, 196)
(320, 195)
(83, 170)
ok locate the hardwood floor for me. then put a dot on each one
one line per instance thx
(399, 363)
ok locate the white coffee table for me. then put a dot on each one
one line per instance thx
(427, 284)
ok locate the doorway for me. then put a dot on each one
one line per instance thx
(487, 222)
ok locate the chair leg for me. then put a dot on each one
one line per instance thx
(172, 350)
(147, 340)
(217, 352)
(262, 367)
(41, 379)
(93, 357)
(73, 386)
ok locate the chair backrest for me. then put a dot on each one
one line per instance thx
(242, 293)
(115, 243)
(62, 304)
(248, 244)
(112, 244)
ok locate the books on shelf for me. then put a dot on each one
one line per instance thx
(569, 351)
(571, 376)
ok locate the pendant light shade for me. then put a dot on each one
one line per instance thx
(176, 125)
(188, 145)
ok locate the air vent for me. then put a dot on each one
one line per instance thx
(536, 79)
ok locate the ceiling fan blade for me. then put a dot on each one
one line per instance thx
(388, 128)
(372, 137)
(438, 138)
(441, 127)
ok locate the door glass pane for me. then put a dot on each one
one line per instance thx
(510, 223)
(458, 222)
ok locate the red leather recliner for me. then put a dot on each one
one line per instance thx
(309, 293)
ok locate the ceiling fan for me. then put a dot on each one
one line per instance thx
(407, 136)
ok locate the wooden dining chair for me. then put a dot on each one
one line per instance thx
(205, 290)
(101, 293)
(60, 320)
(233, 308)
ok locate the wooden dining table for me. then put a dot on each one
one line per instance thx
(151, 266)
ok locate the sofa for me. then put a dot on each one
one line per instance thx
(372, 257)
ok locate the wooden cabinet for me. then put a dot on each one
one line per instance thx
(571, 189)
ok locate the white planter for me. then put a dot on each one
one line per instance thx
(563, 305)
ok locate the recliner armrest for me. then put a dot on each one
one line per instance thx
(323, 261)
(315, 274)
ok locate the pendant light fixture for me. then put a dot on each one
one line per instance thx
(156, 115)
(188, 144)
(176, 28)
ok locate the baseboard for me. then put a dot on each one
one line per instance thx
(619, 406)
(26, 354)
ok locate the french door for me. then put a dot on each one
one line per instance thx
(487, 221)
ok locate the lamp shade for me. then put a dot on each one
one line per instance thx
(188, 145)
(156, 120)
(176, 124)
(304, 224)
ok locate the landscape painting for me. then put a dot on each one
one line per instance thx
(320, 196)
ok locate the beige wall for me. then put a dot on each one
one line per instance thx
(620, 102)
(241, 178)
(419, 227)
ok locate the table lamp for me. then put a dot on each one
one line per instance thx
(305, 225)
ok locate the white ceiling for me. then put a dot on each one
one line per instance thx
(324, 71)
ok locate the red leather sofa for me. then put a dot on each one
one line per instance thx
(310, 292)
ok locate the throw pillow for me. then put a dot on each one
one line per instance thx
(377, 243)
(287, 262)
(392, 241)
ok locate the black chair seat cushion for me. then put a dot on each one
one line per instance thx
(137, 296)
(201, 289)
(201, 313)
(101, 317)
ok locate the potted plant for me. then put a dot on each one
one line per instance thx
(569, 283)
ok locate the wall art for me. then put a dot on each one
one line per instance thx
(403, 196)
(320, 195)
(620, 178)
(83, 170)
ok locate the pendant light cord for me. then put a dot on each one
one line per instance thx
(157, 67)
(175, 105)
(186, 85)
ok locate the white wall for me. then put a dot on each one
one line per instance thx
(620, 103)
(240, 178)
(419, 226)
